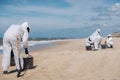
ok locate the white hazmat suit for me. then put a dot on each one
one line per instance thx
(11, 40)
(109, 41)
(95, 38)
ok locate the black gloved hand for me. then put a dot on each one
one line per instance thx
(26, 51)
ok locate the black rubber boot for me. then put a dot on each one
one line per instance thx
(5, 72)
(19, 72)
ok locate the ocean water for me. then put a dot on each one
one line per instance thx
(34, 45)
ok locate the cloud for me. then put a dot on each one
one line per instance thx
(44, 9)
(76, 8)
(100, 18)
(85, 3)
(113, 10)
(107, 13)
(116, 8)
(39, 23)
(105, 25)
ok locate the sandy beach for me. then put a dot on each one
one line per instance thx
(70, 61)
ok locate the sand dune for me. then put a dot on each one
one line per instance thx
(70, 61)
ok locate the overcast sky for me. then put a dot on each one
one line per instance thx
(60, 14)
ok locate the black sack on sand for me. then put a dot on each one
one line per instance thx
(104, 46)
(12, 61)
(28, 62)
(88, 48)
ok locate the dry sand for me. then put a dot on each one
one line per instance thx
(70, 61)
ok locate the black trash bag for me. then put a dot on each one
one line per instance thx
(88, 48)
(12, 61)
(28, 62)
(104, 46)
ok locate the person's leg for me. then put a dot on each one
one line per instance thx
(21, 61)
(111, 46)
(17, 56)
(99, 45)
(108, 45)
(6, 56)
(96, 45)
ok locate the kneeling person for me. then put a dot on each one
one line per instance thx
(109, 42)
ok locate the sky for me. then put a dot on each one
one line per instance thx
(61, 18)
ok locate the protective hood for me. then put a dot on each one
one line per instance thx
(98, 30)
(25, 26)
(109, 35)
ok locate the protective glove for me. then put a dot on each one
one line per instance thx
(26, 51)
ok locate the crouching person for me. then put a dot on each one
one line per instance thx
(109, 42)
(94, 41)
(89, 44)
(11, 40)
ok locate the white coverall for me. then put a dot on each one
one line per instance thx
(109, 41)
(95, 38)
(11, 40)
(89, 41)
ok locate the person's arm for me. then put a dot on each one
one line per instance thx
(25, 42)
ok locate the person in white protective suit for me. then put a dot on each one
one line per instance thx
(94, 39)
(109, 41)
(11, 41)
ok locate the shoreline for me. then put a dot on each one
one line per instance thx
(34, 45)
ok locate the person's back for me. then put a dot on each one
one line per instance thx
(14, 30)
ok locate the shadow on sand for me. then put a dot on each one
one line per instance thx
(24, 71)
